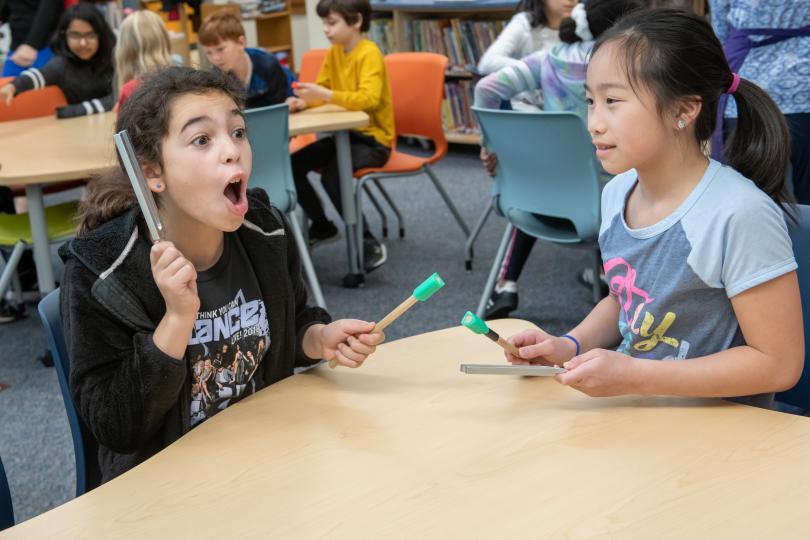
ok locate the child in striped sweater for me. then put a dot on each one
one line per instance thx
(82, 65)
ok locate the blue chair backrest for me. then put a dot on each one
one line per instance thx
(268, 131)
(85, 447)
(547, 181)
(799, 395)
(6, 509)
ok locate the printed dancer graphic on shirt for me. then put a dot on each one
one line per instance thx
(231, 341)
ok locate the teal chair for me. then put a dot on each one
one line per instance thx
(547, 183)
(797, 398)
(269, 135)
(6, 509)
(85, 447)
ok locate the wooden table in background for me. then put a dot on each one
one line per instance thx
(409, 447)
(47, 150)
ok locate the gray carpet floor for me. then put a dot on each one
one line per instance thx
(35, 443)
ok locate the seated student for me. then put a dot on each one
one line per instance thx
(222, 38)
(137, 313)
(534, 27)
(143, 47)
(353, 76)
(704, 296)
(81, 66)
(560, 73)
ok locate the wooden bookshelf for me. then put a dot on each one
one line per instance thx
(273, 30)
(401, 27)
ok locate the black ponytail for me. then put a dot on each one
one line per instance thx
(759, 147)
(568, 31)
(601, 15)
(676, 55)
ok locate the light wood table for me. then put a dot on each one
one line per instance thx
(409, 447)
(45, 150)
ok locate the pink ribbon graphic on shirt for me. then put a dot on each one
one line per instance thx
(624, 286)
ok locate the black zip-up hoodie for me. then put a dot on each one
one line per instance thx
(134, 398)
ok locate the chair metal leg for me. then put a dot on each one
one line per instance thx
(496, 266)
(10, 269)
(468, 247)
(380, 211)
(393, 206)
(306, 261)
(429, 170)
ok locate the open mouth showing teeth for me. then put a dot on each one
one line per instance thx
(233, 191)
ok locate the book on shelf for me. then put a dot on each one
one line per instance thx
(381, 32)
(462, 41)
(456, 114)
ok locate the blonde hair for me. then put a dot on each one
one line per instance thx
(143, 46)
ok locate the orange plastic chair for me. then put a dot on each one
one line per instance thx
(311, 62)
(32, 104)
(417, 88)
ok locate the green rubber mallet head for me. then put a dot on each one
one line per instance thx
(471, 321)
(428, 287)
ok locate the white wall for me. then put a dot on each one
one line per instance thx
(315, 27)
(300, 37)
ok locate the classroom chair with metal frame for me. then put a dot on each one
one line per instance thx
(15, 234)
(417, 88)
(797, 398)
(85, 447)
(268, 129)
(547, 182)
(6, 508)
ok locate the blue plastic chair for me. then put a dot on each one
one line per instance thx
(547, 182)
(268, 130)
(85, 447)
(6, 509)
(799, 395)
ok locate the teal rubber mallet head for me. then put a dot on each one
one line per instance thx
(474, 323)
(428, 287)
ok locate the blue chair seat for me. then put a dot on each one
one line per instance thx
(6, 509)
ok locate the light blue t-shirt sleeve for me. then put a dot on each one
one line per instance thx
(757, 247)
(738, 235)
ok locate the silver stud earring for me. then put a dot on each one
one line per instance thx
(681, 123)
(158, 186)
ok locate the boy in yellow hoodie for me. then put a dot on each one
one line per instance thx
(352, 76)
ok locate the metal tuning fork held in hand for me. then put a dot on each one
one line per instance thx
(142, 192)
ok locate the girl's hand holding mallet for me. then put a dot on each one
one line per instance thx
(420, 294)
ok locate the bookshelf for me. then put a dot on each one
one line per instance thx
(458, 29)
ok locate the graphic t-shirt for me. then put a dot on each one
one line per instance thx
(674, 279)
(231, 334)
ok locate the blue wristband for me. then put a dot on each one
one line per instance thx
(572, 338)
